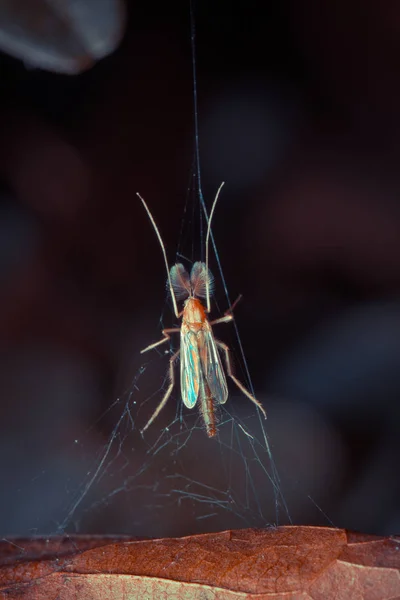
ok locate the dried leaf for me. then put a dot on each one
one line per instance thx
(284, 563)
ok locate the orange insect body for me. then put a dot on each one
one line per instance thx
(194, 315)
(207, 410)
(200, 364)
(202, 375)
(194, 321)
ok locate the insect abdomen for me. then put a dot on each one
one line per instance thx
(207, 410)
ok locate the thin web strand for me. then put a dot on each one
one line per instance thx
(277, 490)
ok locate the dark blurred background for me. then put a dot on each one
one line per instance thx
(299, 114)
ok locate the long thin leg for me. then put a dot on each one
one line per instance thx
(240, 385)
(167, 393)
(228, 314)
(225, 319)
(166, 337)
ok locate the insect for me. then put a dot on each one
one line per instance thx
(202, 374)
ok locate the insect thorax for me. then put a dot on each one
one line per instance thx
(193, 311)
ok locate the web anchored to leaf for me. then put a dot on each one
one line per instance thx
(173, 479)
(176, 480)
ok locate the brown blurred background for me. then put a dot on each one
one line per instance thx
(299, 114)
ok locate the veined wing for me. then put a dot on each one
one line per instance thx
(213, 369)
(191, 373)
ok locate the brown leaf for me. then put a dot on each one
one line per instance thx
(283, 563)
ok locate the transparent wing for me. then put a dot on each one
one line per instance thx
(191, 373)
(198, 277)
(213, 369)
(180, 281)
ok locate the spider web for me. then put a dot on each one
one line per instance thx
(174, 480)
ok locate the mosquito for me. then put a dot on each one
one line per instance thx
(202, 374)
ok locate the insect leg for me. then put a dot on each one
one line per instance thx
(166, 337)
(240, 385)
(228, 314)
(167, 393)
(232, 308)
(225, 319)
